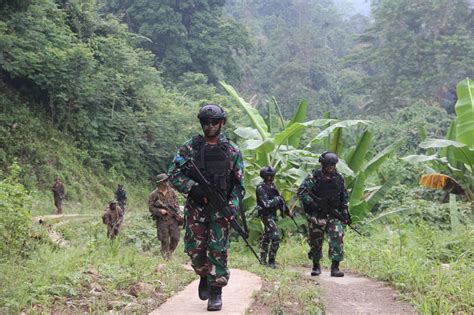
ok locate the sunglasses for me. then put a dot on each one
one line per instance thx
(210, 122)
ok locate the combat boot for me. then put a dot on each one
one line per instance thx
(271, 263)
(335, 272)
(215, 299)
(316, 271)
(263, 259)
(203, 289)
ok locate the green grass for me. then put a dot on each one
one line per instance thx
(62, 279)
(432, 268)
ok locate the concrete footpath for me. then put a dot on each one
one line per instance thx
(237, 296)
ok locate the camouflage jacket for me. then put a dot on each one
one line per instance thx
(157, 200)
(267, 199)
(58, 190)
(180, 178)
(113, 217)
(313, 184)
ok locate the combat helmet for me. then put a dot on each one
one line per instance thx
(212, 111)
(328, 157)
(267, 171)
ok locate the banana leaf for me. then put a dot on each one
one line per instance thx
(255, 117)
(380, 158)
(357, 192)
(460, 151)
(296, 128)
(248, 133)
(342, 124)
(357, 158)
(337, 141)
(420, 158)
(298, 117)
(381, 192)
(465, 113)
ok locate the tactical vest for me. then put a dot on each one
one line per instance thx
(214, 162)
(271, 192)
(327, 189)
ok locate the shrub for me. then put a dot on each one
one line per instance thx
(15, 217)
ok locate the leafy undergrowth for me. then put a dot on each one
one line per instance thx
(430, 266)
(93, 274)
(285, 290)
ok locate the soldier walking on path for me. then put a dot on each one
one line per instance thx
(324, 198)
(121, 196)
(59, 192)
(207, 229)
(113, 218)
(268, 201)
(164, 207)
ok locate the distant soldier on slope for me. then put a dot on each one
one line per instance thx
(121, 196)
(59, 192)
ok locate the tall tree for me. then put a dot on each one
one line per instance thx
(416, 49)
(186, 36)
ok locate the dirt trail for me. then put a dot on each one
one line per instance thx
(237, 296)
(354, 294)
(56, 220)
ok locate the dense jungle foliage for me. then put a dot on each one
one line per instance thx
(102, 92)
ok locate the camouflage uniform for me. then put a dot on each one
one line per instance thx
(319, 222)
(58, 194)
(121, 196)
(207, 232)
(268, 200)
(113, 218)
(167, 226)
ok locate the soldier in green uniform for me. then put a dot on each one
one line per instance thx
(324, 198)
(164, 207)
(113, 218)
(207, 230)
(268, 201)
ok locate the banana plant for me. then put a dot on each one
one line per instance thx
(283, 150)
(455, 154)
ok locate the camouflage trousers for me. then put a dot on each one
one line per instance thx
(271, 234)
(206, 243)
(168, 233)
(58, 203)
(112, 230)
(335, 234)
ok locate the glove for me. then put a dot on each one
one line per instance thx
(197, 194)
(279, 201)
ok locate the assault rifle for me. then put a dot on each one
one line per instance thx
(286, 210)
(217, 202)
(171, 211)
(329, 210)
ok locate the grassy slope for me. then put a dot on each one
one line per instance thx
(93, 274)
